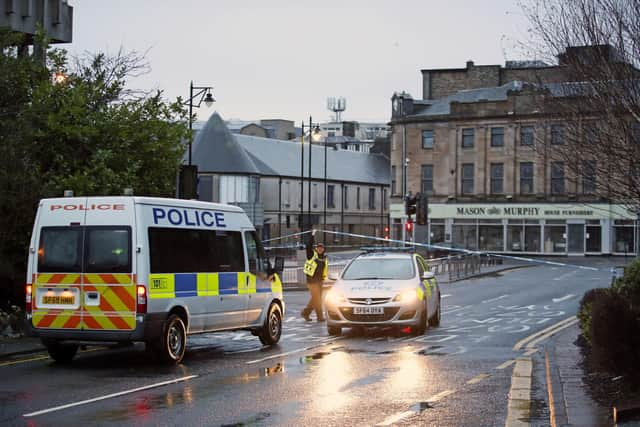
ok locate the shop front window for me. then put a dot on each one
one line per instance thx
(554, 237)
(515, 235)
(532, 235)
(465, 234)
(437, 231)
(623, 236)
(594, 236)
(490, 234)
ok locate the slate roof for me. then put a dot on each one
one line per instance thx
(442, 106)
(217, 150)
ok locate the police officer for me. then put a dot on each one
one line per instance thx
(315, 268)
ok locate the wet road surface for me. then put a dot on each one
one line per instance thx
(457, 374)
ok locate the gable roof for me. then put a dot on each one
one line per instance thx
(217, 150)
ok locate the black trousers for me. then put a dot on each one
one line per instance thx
(315, 301)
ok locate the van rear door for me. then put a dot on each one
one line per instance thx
(57, 278)
(109, 285)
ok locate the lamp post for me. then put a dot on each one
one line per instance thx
(314, 135)
(204, 92)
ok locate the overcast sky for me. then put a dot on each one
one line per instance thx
(283, 58)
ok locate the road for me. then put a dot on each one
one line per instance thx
(456, 375)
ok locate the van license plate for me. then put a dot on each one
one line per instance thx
(57, 299)
(368, 310)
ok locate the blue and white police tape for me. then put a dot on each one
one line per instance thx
(287, 236)
(464, 251)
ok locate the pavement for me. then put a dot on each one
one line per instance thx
(567, 398)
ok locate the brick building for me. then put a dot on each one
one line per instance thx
(470, 144)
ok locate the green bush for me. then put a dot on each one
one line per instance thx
(584, 310)
(628, 286)
(615, 334)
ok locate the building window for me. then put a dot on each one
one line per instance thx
(427, 139)
(427, 179)
(467, 178)
(526, 178)
(468, 135)
(384, 199)
(526, 135)
(330, 194)
(557, 178)
(589, 177)
(554, 236)
(557, 134)
(497, 178)
(372, 198)
(345, 196)
(358, 198)
(315, 195)
(393, 180)
(497, 137)
(287, 194)
(623, 237)
(234, 189)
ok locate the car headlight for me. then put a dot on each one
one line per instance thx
(334, 297)
(408, 295)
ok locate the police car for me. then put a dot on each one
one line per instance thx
(384, 289)
(147, 269)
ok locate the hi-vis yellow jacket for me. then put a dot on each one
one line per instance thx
(311, 265)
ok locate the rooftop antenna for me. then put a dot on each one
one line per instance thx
(337, 105)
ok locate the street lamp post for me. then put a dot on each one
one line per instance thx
(204, 92)
(326, 196)
(314, 135)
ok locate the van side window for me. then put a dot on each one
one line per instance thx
(176, 250)
(258, 261)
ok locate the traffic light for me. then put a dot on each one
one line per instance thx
(422, 209)
(188, 182)
(409, 225)
(386, 233)
(410, 204)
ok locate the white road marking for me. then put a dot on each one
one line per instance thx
(458, 308)
(478, 378)
(109, 396)
(565, 275)
(530, 352)
(440, 395)
(288, 353)
(506, 364)
(564, 298)
(397, 417)
(445, 296)
(495, 299)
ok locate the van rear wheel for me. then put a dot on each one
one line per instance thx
(172, 344)
(271, 330)
(61, 353)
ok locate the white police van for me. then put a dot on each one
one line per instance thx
(147, 269)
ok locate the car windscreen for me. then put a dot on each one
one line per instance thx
(392, 268)
(85, 249)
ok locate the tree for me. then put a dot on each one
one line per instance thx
(592, 124)
(87, 133)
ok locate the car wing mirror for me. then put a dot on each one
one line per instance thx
(427, 275)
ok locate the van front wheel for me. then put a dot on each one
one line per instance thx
(173, 342)
(270, 332)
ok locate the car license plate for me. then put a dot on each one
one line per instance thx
(58, 299)
(368, 310)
